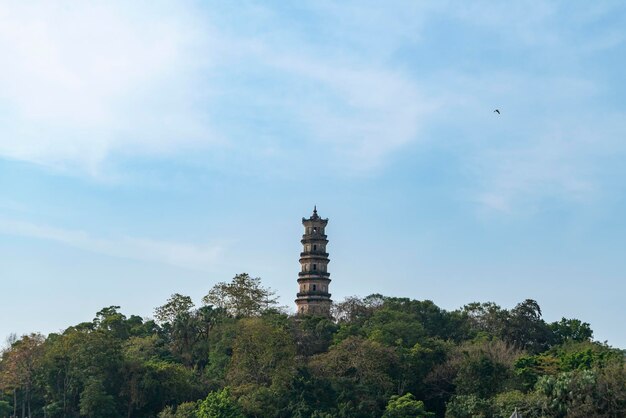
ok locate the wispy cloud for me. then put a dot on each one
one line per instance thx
(82, 81)
(552, 167)
(198, 257)
(555, 157)
(87, 82)
(361, 114)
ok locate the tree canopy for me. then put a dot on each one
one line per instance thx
(237, 355)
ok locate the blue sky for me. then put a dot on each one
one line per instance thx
(148, 148)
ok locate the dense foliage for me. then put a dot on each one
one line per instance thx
(239, 356)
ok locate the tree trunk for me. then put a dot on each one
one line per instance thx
(65, 383)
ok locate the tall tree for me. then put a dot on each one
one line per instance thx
(362, 374)
(571, 330)
(18, 366)
(177, 306)
(242, 297)
(179, 322)
(262, 366)
(526, 330)
(96, 402)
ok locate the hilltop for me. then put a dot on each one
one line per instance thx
(240, 355)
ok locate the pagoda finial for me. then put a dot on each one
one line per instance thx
(315, 215)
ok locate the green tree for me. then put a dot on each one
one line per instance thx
(312, 334)
(394, 328)
(356, 310)
(361, 372)
(177, 306)
(526, 330)
(5, 409)
(261, 367)
(467, 406)
(149, 382)
(478, 368)
(530, 368)
(483, 361)
(219, 405)
(263, 355)
(309, 396)
(110, 320)
(81, 357)
(527, 405)
(95, 402)
(406, 406)
(188, 330)
(416, 363)
(221, 340)
(184, 410)
(571, 330)
(435, 322)
(585, 393)
(242, 297)
(485, 368)
(187, 410)
(486, 318)
(167, 412)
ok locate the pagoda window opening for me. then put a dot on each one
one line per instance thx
(314, 247)
(314, 288)
(314, 266)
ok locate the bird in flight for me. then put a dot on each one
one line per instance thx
(496, 111)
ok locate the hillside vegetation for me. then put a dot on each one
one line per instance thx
(239, 355)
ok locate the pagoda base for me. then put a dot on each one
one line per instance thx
(319, 307)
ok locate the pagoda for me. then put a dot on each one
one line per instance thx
(313, 297)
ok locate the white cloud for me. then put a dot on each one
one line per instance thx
(365, 114)
(567, 160)
(199, 257)
(88, 81)
(551, 143)
(552, 167)
(528, 22)
(82, 80)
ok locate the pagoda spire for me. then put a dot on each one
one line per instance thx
(315, 215)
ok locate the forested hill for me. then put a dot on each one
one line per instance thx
(239, 355)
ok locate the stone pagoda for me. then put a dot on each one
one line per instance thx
(313, 297)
